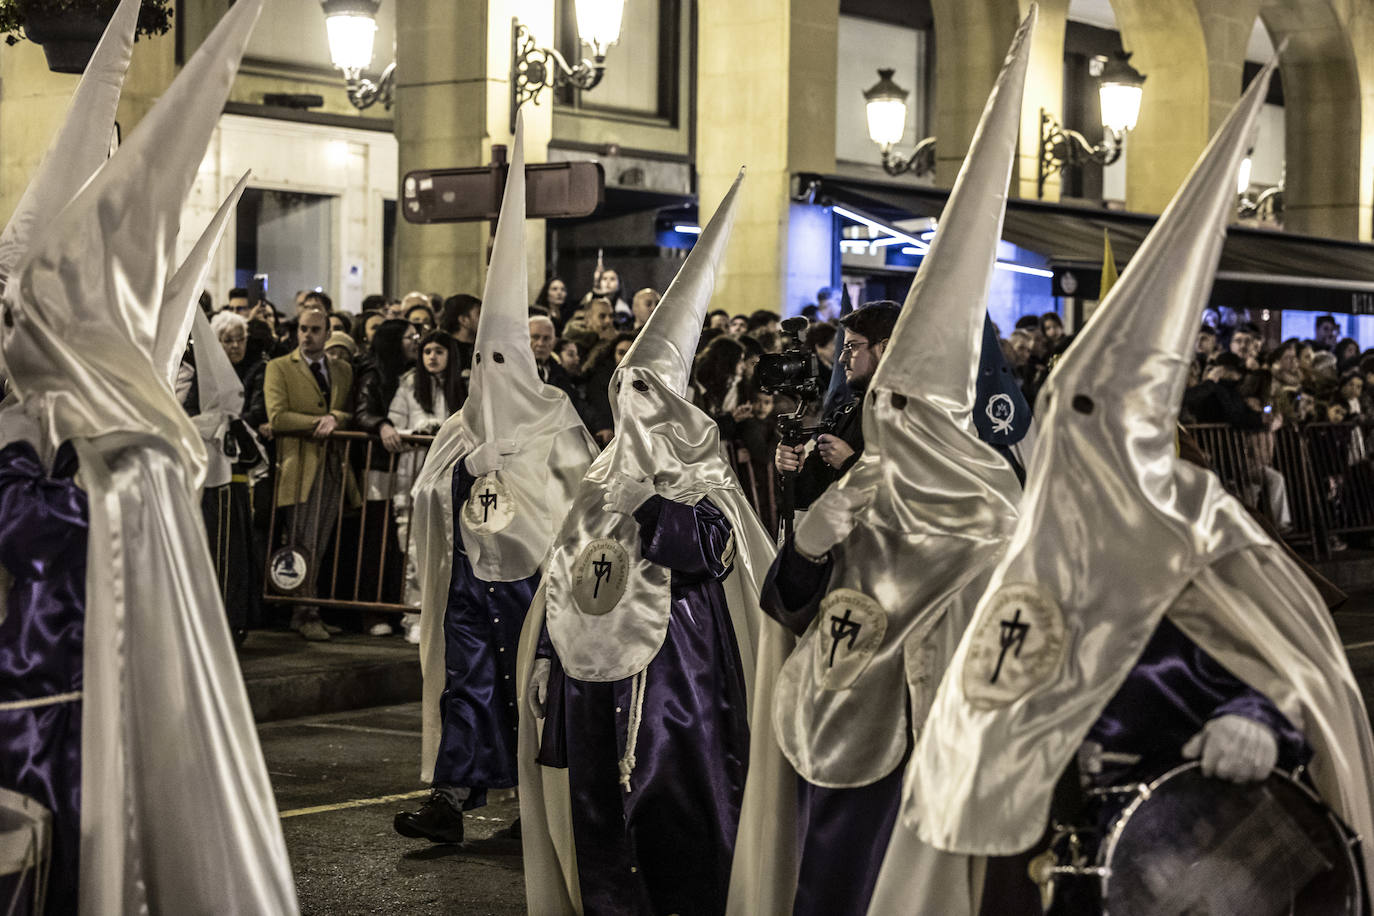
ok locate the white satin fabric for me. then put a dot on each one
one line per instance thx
(944, 503)
(659, 436)
(219, 387)
(508, 400)
(662, 437)
(432, 527)
(177, 812)
(1114, 528)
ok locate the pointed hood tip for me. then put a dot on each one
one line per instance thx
(667, 343)
(935, 347)
(1154, 309)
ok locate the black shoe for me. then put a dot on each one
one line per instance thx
(436, 821)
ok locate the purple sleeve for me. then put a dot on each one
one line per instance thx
(462, 485)
(793, 590)
(692, 541)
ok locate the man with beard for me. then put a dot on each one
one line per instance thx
(866, 333)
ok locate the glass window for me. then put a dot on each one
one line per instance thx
(640, 68)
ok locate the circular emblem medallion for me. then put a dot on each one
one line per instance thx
(489, 508)
(1001, 411)
(600, 575)
(288, 569)
(849, 631)
(1017, 644)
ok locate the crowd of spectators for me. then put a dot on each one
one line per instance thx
(406, 365)
(399, 368)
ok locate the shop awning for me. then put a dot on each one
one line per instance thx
(1260, 268)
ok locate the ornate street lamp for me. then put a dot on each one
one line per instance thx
(885, 103)
(352, 28)
(1267, 206)
(1119, 94)
(532, 68)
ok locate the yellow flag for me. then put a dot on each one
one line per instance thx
(1108, 265)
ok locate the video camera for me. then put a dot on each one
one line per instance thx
(793, 372)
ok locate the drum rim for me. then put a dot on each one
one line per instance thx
(1106, 850)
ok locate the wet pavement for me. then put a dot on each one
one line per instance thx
(340, 777)
(338, 780)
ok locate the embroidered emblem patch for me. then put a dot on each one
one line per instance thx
(288, 569)
(1017, 644)
(489, 508)
(1001, 411)
(600, 574)
(848, 633)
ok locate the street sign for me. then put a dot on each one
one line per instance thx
(553, 190)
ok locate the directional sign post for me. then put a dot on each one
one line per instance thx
(554, 190)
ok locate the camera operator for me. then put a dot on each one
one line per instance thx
(866, 332)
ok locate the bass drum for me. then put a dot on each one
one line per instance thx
(1190, 844)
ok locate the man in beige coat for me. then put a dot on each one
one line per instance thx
(307, 391)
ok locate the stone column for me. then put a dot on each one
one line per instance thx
(766, 100)
(1322, 120)
(1166, 39)
(452, 105)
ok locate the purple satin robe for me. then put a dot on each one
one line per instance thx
(666, 845)
(1170, 694)
(482, 622)
(43, 536)
(842, 833)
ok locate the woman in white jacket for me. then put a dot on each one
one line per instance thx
(424, 399)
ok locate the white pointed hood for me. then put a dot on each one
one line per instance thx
(219, 389)
(181, 297)
(508, 540)
(661, 436)
(942, 503)
(1115, 531)
(924, 456)
(82, 145)
(86, 301)
(506, 398)
(195, 830)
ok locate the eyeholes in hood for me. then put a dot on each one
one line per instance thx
(498, 357)
(641, 385)
(1083, 404)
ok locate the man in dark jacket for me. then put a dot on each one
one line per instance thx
(551, 371)
(1217, 399)
(867, 330)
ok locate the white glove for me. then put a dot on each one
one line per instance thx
(539, 686)
(1234, 748)
(829, 520)
(626, 494)
(490, 456)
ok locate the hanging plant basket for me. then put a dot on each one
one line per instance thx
(69, 30)
(68, 38)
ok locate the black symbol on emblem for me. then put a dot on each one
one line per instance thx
(602, 569)
(840, 628)
(1013, 636)
(488, 500)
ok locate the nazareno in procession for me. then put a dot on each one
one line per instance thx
(989, 656)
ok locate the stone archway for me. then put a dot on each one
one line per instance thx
(1324, 193)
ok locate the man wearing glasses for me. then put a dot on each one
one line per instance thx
(866, 332)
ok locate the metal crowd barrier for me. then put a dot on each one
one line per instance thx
(1313, 482)
(343, 540)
